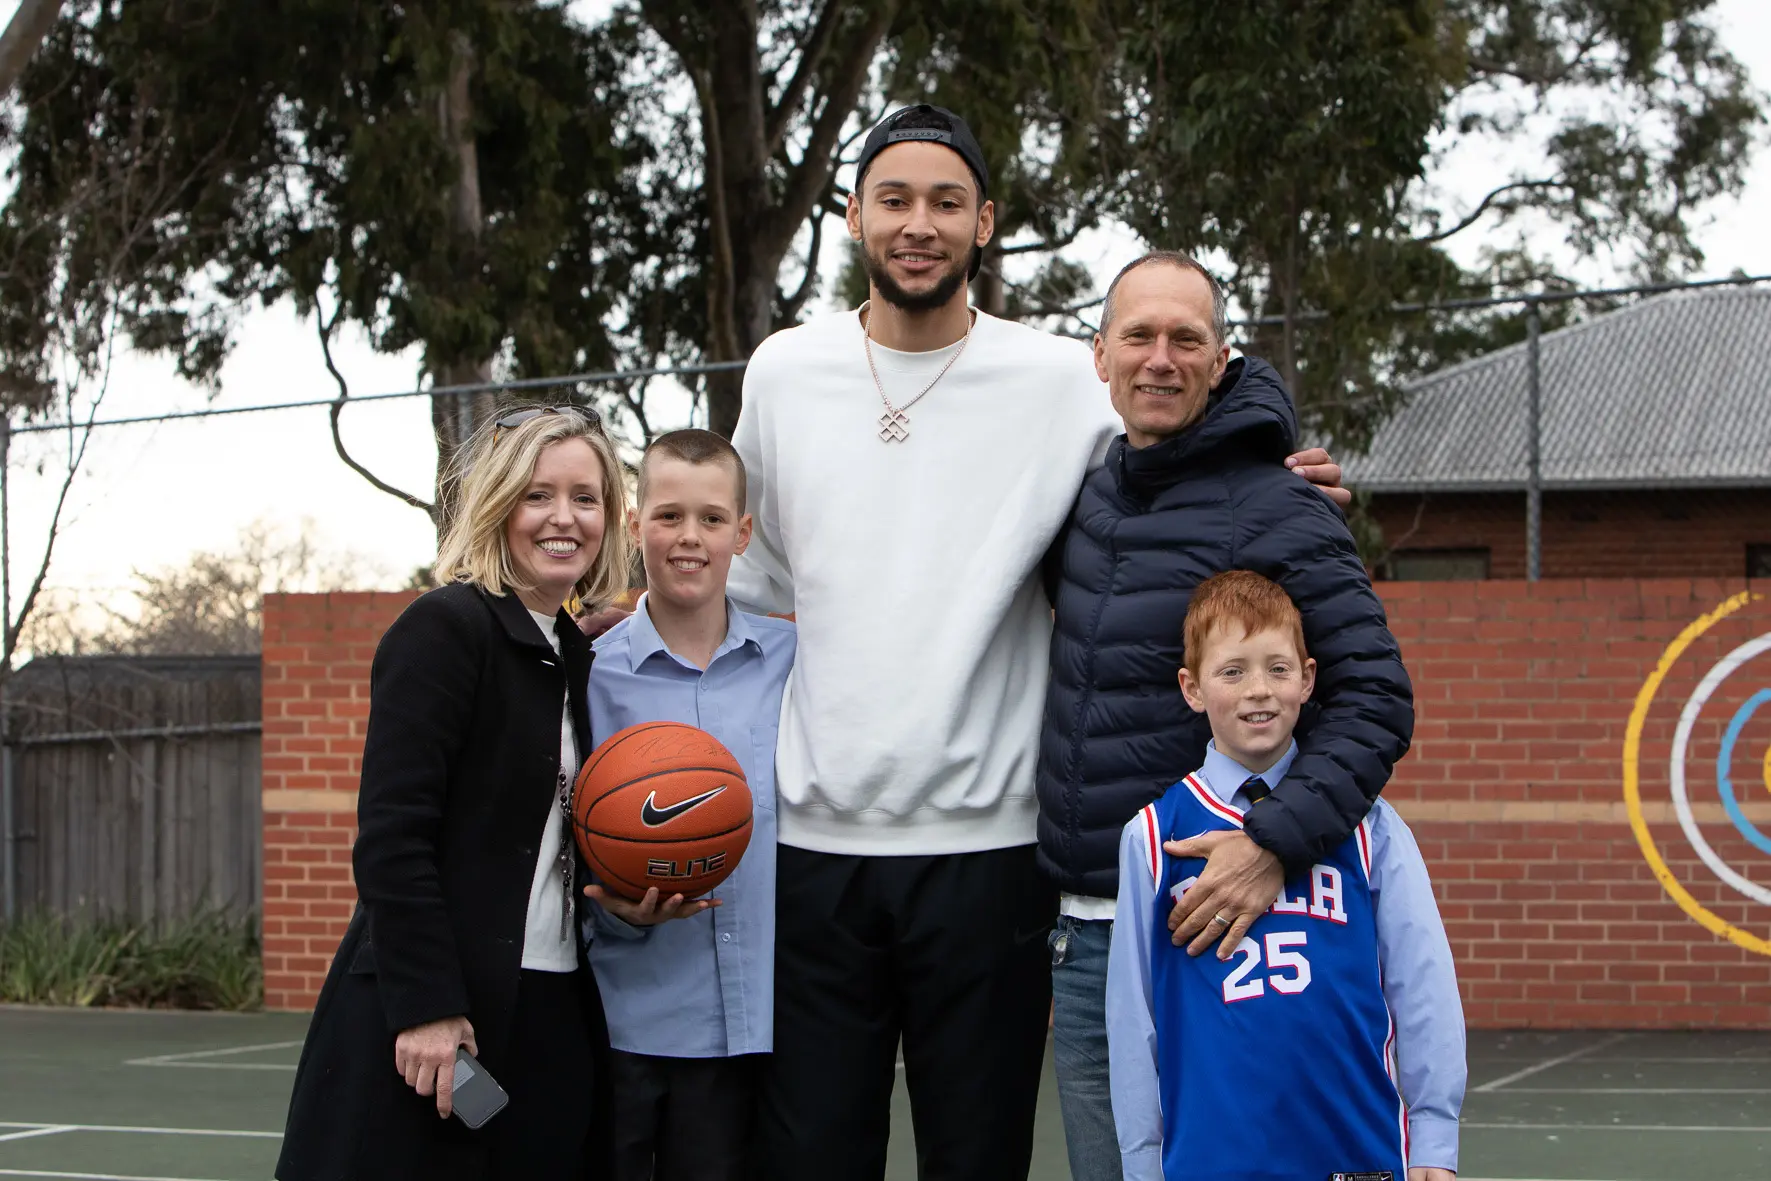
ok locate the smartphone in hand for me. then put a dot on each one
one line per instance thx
(477, 1096)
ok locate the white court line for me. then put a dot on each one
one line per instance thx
(190, 1058)
(1704, 1061)
(40, 1130)
(218, 1065)
(1502, 1081)
(94, 1176)
(144, 1131)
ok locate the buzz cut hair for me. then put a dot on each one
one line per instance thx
(1241, 598)
(1220, 310)
(697, 447)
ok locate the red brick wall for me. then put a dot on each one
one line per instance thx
(1514, 789)
(1693, 534)
(317, 650)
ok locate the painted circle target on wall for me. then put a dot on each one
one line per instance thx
(1739, 769)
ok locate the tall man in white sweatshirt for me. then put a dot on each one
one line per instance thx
(909, 465)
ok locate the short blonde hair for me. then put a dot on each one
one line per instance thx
(487, 479)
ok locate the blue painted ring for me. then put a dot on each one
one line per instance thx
(1725, 756)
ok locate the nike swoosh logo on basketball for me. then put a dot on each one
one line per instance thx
(653, 816)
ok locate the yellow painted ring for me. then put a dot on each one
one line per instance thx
(1632, 786)
(1768, 768)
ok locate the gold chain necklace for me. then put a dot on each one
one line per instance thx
(894, 424)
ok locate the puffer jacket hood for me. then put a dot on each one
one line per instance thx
(1150, 525)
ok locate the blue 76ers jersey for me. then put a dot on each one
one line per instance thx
(1278, 1065)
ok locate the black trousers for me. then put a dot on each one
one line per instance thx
(682, 1119)
(542, 1132)
(946, 953)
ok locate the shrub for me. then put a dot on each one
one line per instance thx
(209, 960)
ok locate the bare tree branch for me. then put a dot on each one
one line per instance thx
(1067, 309)
(721, 279)
(790, 311)
(76, 456)
(807, 181)
(24, 33)
(1085, 218)
(1482, 207)
(1420, 512)
(1045, 244)
(634, 395)
(1544, 78)
(1044, 309)
(83, 328)
(325, 328)
(811, 56)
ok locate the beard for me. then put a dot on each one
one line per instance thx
(938, 296)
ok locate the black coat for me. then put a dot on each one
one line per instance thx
(1148, 527)
(460, 767)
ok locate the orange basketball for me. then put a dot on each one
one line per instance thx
(661, 804)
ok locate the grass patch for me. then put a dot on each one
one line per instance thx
(207, 961)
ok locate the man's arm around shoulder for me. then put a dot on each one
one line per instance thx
(1287, 531)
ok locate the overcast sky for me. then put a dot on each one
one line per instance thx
(148, 496)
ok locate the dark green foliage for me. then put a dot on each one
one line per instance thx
(179, 160)
(1293, 135)
(297, 150)
(207, 961)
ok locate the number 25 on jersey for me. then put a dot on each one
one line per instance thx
(1288, 971)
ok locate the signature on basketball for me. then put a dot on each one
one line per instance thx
(659, 749)
(669, 747)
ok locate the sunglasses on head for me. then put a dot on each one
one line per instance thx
(517, 418)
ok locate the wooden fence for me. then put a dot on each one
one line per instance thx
(134, 787)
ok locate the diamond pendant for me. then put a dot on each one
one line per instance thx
(894, 426)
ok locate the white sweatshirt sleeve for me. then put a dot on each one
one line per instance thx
(761, 580)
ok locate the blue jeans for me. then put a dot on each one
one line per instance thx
(1079, 1046)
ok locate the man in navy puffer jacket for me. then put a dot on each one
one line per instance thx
(1196, 486)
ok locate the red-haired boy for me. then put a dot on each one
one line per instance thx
(1338, 1009)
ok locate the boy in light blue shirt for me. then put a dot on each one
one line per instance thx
(1329, 1042)
(690, 1003)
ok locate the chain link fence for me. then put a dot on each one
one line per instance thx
(1632, 442)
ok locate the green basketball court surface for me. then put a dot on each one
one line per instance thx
(130, 1096)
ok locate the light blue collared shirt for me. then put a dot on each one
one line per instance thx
(1419, 981)
(701, 987)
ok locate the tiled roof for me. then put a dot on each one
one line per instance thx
(1674, 391)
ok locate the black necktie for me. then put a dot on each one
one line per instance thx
(1256, 790)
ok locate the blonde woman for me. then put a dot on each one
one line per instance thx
(465, 933)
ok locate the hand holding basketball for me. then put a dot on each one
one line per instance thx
(650, 910)
(661, 805)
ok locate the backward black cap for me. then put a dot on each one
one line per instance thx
(927, 123)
